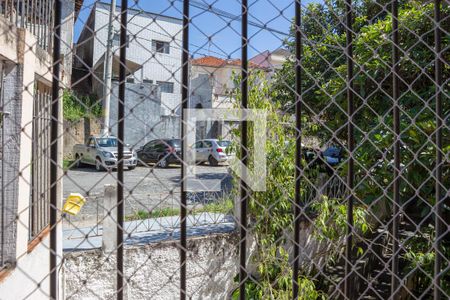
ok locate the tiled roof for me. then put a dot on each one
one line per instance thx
(209, 61)
(216, 62)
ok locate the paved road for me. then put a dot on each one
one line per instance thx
(145, 188)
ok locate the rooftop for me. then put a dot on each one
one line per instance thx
(216, 62)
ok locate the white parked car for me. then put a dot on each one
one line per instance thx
(212, 151)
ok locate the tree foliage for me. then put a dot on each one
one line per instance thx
(324, 97)
(324, 101)
(78, 107)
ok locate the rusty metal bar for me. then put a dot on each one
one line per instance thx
(244, 152)
(396, 127)
(439, 226)
(54, 155)
(2, 182)
(120, 148)
(298, 145)
(348, 284)
(184, 104)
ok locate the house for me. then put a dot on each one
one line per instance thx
(221, 74)
(153, 53)
(271, 60)
(26, 48)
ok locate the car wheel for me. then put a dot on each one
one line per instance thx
(78, 163)
(163, 162)
(131, 168)
(98, 165)
(212, 161)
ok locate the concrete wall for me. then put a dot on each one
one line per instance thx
(153, 270)
(78, 132)
(67, 27)
(143, 119)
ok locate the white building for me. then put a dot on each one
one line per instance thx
(153, 51)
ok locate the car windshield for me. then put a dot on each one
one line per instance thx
(107, 142)
(223, 143)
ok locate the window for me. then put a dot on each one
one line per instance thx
(116, 40)
(130, 80)
(223, 143)
(147, 81)
(161, 47)
(107, 142)
(150, 145)
(175, 143)
(40, 166)
(166, 87)
(160, 146)
(91, 142)
(198, 145)
(208, 144)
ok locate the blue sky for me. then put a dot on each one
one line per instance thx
(225, 40)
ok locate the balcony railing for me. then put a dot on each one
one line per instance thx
(34, 15)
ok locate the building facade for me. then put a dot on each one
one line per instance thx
(26, 45)
(153, 52)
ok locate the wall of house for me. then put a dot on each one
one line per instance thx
(26, 65)
(143, 118)
(67, 27)
(212, 264)
(27, 275)
(145, 27)
(220, 81)
(10, 156)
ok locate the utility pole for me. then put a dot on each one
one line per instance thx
(108, 62)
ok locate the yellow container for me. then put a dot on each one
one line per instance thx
(73, 204)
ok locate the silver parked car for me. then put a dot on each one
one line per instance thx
(101, 152)
(212, 151)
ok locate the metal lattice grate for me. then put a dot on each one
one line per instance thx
(225, 149)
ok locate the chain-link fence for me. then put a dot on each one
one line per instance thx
(225, 149)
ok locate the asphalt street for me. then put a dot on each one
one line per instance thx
(145, 188)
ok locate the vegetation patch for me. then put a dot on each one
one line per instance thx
(221, 206)
(76, 107)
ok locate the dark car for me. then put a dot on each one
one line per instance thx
(333, 155)
(161, 152)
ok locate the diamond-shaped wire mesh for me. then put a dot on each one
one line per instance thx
(112, 189)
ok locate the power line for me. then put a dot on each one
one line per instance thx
(233, 17)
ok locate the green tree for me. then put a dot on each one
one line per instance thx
(271, 212)
(324, 73)
(324, 97)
